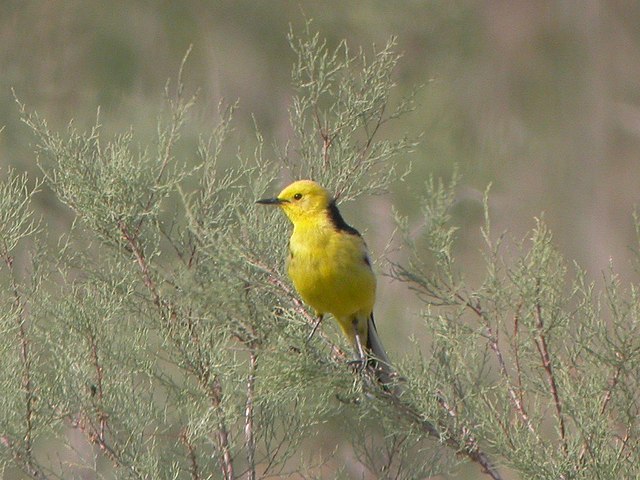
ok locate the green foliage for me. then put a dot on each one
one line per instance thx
(160, 338)
(342, 102)
(16, 217)
(543, 366)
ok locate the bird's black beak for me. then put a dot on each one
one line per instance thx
(270, 201)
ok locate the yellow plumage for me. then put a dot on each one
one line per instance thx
(329, 266)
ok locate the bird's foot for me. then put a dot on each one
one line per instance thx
(358, 365)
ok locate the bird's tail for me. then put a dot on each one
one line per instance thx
(380, 361)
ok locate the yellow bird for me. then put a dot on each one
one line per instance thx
(329, 266)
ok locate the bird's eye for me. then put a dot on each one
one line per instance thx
(297, 196)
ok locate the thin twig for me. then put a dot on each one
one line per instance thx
(222, 434)
(396, 445)
(26, 380)
(370, 136)
(603, 408)
(102, 416)
(493, 344)
(468, 447)
(327, 139)
(168, 312)
(248, 417)
(516, 353)
(179, 110)
(543, 350)
(86, 426)
(613, 383)
(624, 443)
(191, 455)
(142, 265)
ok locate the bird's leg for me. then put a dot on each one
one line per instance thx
(315, 327)
(362, 359)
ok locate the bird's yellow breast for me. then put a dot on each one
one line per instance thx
(330, 270)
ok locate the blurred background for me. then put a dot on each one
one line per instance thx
(540, 99)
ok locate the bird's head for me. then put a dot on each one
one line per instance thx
(302, 200)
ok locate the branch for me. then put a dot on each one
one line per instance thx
(516, 399)
(603, 408)
(102, 416)
(543, 350)
(516, 352)
(26, 380)
(222, 434)
(191, 455)
(95, 439)
(613, 383)
(134, 245)
(248, 417)
(167, 311)
(327, 139)
(108, 450)
(467, 446)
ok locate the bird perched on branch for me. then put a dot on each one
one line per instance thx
(329, 266)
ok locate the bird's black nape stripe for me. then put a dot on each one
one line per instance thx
(338, 222)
